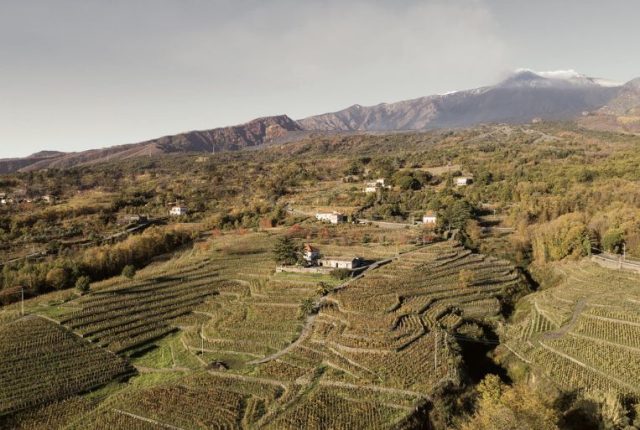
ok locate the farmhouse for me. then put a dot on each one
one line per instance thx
(462, 181)
(48, 198)
(340, 262)
(430, 218)
(178, 211)
(134, 219)
(310, 254)
(372, 187)
(332, 217)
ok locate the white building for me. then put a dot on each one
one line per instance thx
(178, 211)
(372, 187)
(332, 217)
(430, 218)
(340, 262)
(310, 254)
(463, 180)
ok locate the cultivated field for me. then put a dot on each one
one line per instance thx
(42, 362)
(218, 339)
(583, 333)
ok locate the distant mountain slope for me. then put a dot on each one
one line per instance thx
(253, 133)
(8, 165)
(622, 113)
(520, 98)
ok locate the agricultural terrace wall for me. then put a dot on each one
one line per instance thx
(296, 269)
(615, 264)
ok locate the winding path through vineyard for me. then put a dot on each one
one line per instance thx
(308, 325)
(577, 311)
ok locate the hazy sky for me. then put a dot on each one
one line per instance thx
(80, 74)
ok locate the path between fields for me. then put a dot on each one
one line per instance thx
(308, 326)
(373, 388)
(147, 420)
(555, 334)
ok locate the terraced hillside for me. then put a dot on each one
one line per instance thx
(42, 361)
(387, 334)
(585, 332)
(375, 351)
(132, 313)
(219, 341)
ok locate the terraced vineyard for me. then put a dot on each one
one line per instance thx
(130, 314)
(378, 346)
(242, 356)
(42, 361)
(256, 313)
(584, 332)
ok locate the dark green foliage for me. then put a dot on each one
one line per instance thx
(286, 251)
(306, 308)
(341, 274)
(613, 240)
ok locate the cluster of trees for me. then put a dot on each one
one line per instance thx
(528, 406)
(97, 263)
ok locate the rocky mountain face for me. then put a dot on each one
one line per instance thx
(251, 134)
(518, 99)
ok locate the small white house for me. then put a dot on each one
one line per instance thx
(178, 211)
(310, 254)
(340, 262)
(462, 181)
(332, 217)
(372, 187)
(430, 218)
(48, 198)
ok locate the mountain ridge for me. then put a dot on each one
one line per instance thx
(521, 97)
(250, 134)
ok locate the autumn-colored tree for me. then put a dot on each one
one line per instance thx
(57, 278)
(501, 407)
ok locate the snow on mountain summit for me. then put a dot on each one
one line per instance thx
(547, 78)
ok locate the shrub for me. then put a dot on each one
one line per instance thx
(83, 284)
(612, 240)
(129, 271)
(306, 308)
(341, 273)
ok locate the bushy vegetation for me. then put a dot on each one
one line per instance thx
(95, 263)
